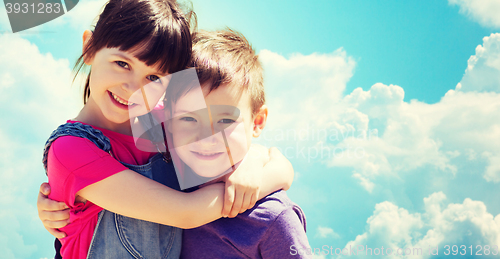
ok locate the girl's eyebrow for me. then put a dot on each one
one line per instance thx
(123, 56)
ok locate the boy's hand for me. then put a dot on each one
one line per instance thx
(243, 185)
(53, 214)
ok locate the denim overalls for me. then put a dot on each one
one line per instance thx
(117, 236)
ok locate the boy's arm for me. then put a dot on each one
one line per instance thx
(53, 214)
(260, 163)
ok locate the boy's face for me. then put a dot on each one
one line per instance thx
(212, 131)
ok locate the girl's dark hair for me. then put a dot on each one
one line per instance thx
(157, 30)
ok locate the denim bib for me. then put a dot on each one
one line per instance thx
(117, 236)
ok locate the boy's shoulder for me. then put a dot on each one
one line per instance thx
(251, 232)
(272, 206)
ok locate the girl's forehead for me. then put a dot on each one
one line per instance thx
(132, 57)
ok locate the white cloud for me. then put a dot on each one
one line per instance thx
(375, 132)
(485, 12)
(467, 223)
(493, 169)
(35, 89)
(325, 232)
(483, 68)
(4, 20)
(35, 96)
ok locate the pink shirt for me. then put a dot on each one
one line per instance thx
(74, 163)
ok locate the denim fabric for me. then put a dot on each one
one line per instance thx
(117, 236)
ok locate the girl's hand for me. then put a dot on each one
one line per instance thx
(242, 188)
(53, 214)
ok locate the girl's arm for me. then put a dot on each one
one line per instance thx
(133, 195)
(278, 172)
(244, 185)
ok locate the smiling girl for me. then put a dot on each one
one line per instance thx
(135, 46)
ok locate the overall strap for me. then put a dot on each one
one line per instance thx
(80, 130)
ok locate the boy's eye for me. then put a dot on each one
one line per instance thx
(122, 64)
(188, 119)
(154, 78)
(226, 121)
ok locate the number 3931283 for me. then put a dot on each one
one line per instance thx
(26, 14)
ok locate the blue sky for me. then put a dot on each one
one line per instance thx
(388, 110)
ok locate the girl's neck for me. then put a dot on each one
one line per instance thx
(91, 114)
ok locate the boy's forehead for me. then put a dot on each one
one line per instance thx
(226, 94)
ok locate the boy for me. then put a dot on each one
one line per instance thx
(231, 76)
(231, 82)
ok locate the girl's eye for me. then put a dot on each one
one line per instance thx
(226, 121)
(122, 64)
(188, 119)
(154, 78)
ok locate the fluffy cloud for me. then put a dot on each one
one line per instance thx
(484, 12)
(35, 96)
(468, 223)
(325, 232)
(483, 69)
(375, 132)
(35, 89)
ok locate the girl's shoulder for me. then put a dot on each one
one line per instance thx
(75, 152)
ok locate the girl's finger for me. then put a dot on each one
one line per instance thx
(253, 200)
(228, 199)
(238, 201)
(246, 203)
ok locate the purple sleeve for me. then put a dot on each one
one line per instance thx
(286, 237)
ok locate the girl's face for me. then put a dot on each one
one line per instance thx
(123, 87)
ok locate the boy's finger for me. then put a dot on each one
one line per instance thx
(238, 201)
(228, 200)
(54, 215)
(45, 189)
(56, 233)
(44, 203)
(55, 224)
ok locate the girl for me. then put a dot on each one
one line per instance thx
(135, 43)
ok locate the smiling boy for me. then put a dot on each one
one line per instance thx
(212, 126)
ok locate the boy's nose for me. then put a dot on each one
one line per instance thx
(205, 132)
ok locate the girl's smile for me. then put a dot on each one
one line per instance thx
(122, 87)
(120, 100)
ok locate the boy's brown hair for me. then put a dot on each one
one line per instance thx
(224, 57)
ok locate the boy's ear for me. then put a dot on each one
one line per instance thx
(87, 34)
(259, 121)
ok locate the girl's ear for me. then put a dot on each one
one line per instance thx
(259, 121)
(87, 34)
